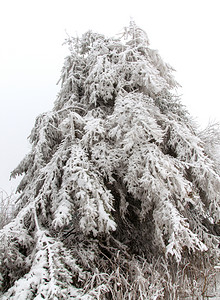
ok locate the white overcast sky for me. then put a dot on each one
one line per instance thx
(186, 33)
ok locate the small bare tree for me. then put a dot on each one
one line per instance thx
(7, 207)
(211, 138)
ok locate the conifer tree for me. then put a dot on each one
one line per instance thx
(119, 198)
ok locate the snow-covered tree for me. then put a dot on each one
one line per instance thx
(119, 197)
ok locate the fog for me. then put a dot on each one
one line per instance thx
(31, 57)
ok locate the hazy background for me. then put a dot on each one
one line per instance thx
(186, 33)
